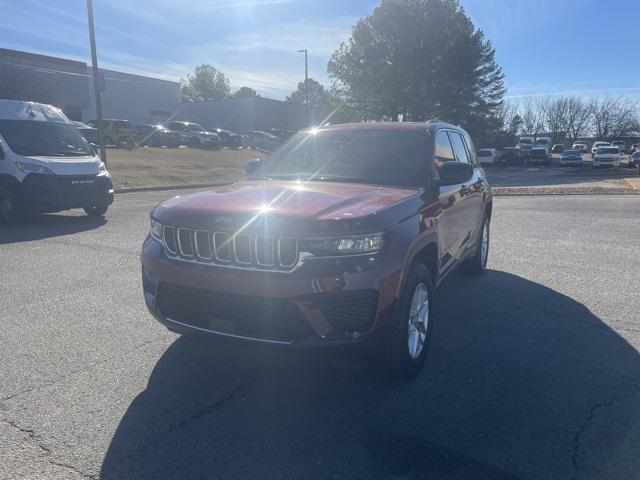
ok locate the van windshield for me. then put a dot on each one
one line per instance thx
(376, 157)
(526, 141)
(44, 139)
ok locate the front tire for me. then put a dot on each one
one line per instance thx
(96, 210)
(478, 263)
(12, 208)
(404, 351)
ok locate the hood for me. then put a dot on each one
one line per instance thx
(311, 200)
(66, 165)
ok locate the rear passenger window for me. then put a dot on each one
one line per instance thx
(471, 150)
(443, 150)
(458, 147)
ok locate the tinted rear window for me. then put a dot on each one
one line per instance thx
(608, 150)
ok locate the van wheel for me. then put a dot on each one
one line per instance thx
(404, 352)
(96, 210)
(478, 263)
(12, 210)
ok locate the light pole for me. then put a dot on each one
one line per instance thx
(96, 84)
(306, 83)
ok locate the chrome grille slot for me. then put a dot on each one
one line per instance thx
(185, 242)
(287, 251)
(221, 247)
(242, 249)
(264, 251)
(203, 244)
(170, 244)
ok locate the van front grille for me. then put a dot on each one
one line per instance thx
(242, 250)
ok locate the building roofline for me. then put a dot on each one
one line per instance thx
(42, 58)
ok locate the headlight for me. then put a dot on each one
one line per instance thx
(156, 230)
(345, 245)
(33, 168)
(102, 169)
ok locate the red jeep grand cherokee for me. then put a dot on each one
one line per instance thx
(339, 237)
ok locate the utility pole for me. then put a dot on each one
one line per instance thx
(306, 83)
(96, 81)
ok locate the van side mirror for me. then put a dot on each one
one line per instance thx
(251, 166)
(452, 173)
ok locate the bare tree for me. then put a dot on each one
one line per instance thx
(577, 118)
(532, 114)
(614, 117)
(555, 117)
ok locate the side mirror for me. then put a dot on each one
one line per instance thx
(251, 166)
(1, 153)
(452, 173)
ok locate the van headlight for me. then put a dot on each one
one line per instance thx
(156, 230)
(102, 169)
(34, 168)
(344, 245)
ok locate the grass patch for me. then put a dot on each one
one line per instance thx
(150, 166)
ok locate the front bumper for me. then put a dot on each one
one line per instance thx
(322, 303)
(53, 193)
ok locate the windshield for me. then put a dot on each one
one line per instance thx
(484, 153)
(378, 157)
(195, 127)
(569, 153)
(526, 141)
(44, 139)
(608, 150)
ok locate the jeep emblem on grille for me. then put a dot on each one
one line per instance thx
(223, 220)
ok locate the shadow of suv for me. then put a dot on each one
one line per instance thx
(337, 239)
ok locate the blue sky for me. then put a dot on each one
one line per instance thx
(544, 46)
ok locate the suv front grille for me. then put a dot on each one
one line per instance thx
(243, 315)
(242, 250)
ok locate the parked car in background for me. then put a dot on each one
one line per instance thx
(571, 158)
(510, 156)
(621, 144)
(314, 269)
(524, 141)
(46, 165)
(194, 135)
(262, 140)
(557, 148)
(597, 145)
(606, 156)
(228, 138)
(634, 161)
(538, 155)
(525, 150)
(157, 136)
(117, 132)
(488, 156)
(582, 146)
(88, 132)
(543, 141)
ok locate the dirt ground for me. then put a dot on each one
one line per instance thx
(173, 166)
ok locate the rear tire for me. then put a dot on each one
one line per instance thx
(478, 263)
(404, 351)
(12, 208)
(96, 210)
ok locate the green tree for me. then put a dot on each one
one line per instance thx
(244, 92)
(207, 83)
(318, 95)
(423, 59)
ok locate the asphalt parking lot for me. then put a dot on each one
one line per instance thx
(534, 370)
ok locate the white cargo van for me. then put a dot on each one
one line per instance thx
(46, 165)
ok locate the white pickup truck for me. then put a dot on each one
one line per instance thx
(46, 165)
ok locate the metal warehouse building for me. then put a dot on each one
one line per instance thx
(68, 85)
(246, 114)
